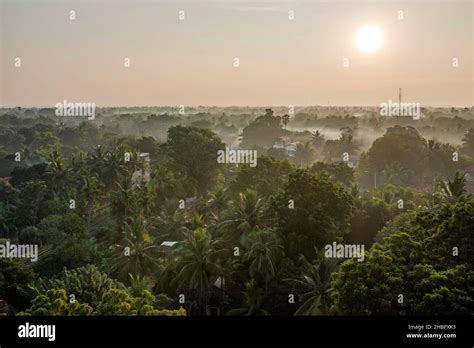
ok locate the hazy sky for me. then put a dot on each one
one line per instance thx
(190, 62)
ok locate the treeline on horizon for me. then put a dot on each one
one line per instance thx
(236, 246)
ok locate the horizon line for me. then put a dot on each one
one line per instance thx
(228, 106)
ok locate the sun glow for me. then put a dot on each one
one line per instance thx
(369, 38)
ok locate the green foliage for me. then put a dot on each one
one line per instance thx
(87, 283)
(55, 229)
(369, 287)
(170, 222)
(28, 235)
(137, 253)
(30, 207)
(400, 222)
(194, 151)
(111, 167)
(8, 205)
(263, 131)
(421, 264)
(263, 251)
(67, 245)
(72, 253)
(119, 303)
(321, 213)
(138, 284)
(266, 178)
(253, 300)
(401, 145)
(315, 279)
(55, 302)
(334, 149)
(197, 266)
(170, 184)
(446, 292)
(243, 215)
(113, 302)
(339, 171)
(245, 243)
(276, 298)
(36, 172)
(374, 209)
(452, 190)
(304, 154)
(13, 275)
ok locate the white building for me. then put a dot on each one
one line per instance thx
(283, 143)
(142, 175)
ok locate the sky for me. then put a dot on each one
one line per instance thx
(190, 62)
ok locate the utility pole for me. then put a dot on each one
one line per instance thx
(400, 97)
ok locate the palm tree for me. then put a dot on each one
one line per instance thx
(216, 201)
(453, 190)
(253, 301)
(263, 251)
(436, 159)
(80, 163)
(170, 221)
(145, 196)
(304, 154)
(138, 284)
(137, 251)
(316, 278)
(317, 138)
(431, 151)
(90, 191)
(96, 161)
(125, 203)
(347, 142)
(213, 208)
(112, 167)
(197, 266)
(57, 169)
(244, 215)
(115, 167)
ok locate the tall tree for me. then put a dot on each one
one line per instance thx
(316, 279)
(311, 211)
(244, 215)
(253, 301)
(194, 151)
(197, 267)
(304, 154)
(137, 252)
(454, 189)
(263, 251)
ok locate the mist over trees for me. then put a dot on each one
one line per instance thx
(133, 214)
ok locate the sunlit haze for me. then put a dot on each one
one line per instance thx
(282, 61)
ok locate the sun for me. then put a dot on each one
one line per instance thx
(369, 38)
